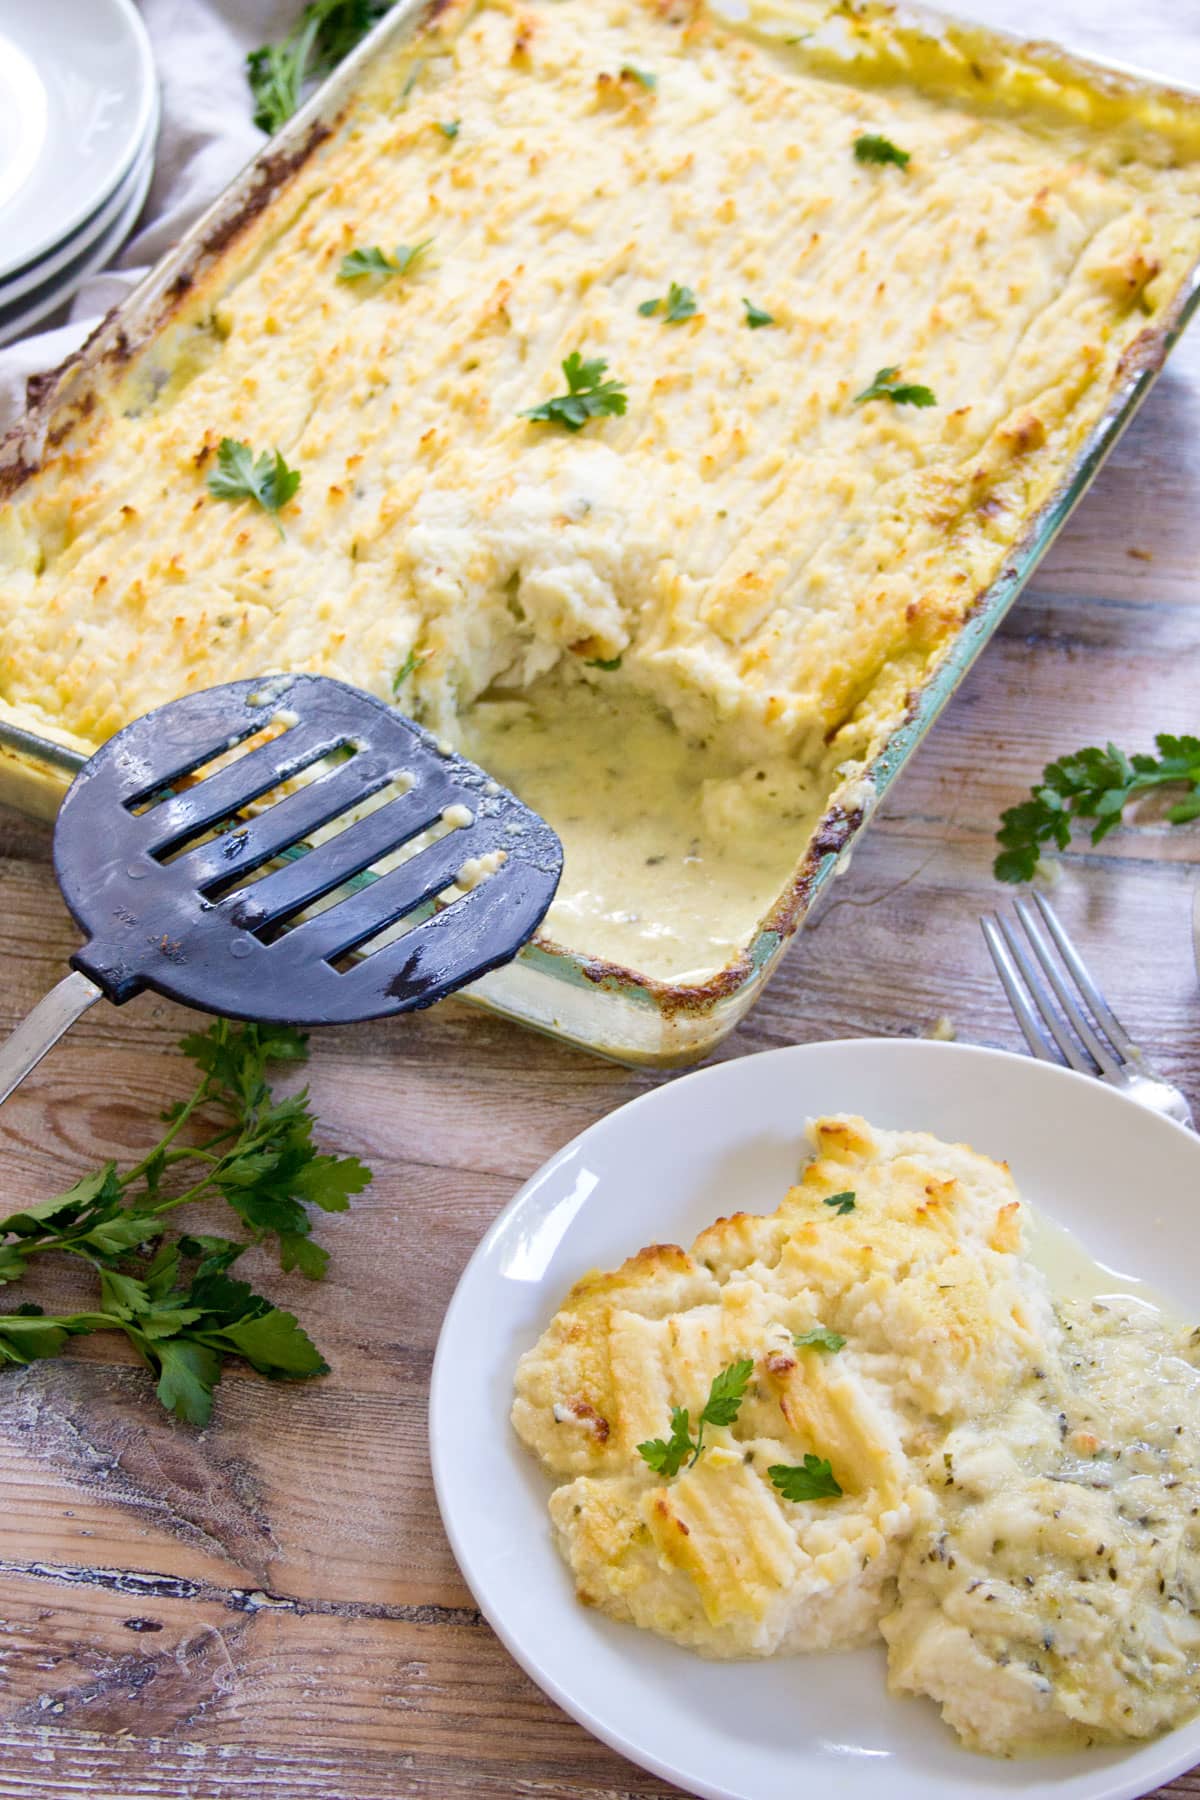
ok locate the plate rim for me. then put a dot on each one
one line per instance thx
(148, 91)
(1118, 1786)
(95, 256)
(30, 277)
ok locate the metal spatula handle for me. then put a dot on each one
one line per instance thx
(53, 1015)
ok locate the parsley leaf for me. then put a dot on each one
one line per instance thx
(871, 148)
(642, 76)
(811, 1480)
(841, 1203)
(187, 1375)
(273, 1343)
(725, 1395)
(756, 318)
(885, 386)
(259, 1157)
(1094, 784)
(323, 34)
(610, 664)
(25, 1336)
(268, 482)
(449, 128)
(679, 304)
(666, 1456)
(727, 1392)
(588, 396)
(368, 259)
(819, 1338)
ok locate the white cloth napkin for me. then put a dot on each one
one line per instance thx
(207, 134)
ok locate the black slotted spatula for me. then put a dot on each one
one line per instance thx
(206, 885)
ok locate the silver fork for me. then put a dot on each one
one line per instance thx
(1093, 1042)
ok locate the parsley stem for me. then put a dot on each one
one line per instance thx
(176, 1126)
(192, 1193)
(95, 1321)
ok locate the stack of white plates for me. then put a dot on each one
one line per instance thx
(78, 118)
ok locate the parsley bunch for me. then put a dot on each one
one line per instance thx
(588, 395)
(1093, 784)
(174, 1300)
(268, 482)
(325, 32)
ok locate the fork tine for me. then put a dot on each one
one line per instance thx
(1010, 980)
(1118, 1036)
(1051, 1024)
(1095, 1046)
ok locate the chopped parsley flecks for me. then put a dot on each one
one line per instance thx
(871, 148)
(841, 1203)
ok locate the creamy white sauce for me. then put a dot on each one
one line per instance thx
(674, 848)
(1072, 1273)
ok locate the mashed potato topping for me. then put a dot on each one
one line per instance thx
(1013, 1500)
(752, 551)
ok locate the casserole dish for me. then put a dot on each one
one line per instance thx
(787, 543)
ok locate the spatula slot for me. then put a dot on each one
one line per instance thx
(350, 959)
(354, 881)
(468, 877)
(302, 820)
(168, 783)
(322, 763)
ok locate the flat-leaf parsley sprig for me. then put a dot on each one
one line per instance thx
(258, 1157)
(325, 32)
(1094, 784)
(886, 385)
(813, 1479)
(588, 396)
(756, 318)
(268, 482)
(367, 260)
(678, 304)
(666, 1456)
(819, 1338)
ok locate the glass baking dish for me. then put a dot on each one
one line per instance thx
(613, 1010)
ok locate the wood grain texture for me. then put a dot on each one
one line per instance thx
(269, 1610)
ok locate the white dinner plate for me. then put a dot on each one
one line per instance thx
(77, 90)
(658, 1170)
(21, 317)
(74, 246)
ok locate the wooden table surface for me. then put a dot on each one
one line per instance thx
(268, 1610)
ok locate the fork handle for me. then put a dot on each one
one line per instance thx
(25, 1047)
